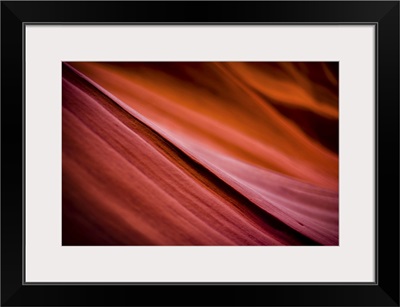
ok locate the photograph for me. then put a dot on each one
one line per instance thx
(200, 153)
(244, 153)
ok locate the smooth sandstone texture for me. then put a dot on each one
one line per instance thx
(200, 153)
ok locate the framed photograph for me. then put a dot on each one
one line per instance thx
(200, 153)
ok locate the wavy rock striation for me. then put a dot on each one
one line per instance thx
(202, 153)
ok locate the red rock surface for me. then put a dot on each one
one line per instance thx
(207, 153)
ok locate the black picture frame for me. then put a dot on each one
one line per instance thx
(383, 14)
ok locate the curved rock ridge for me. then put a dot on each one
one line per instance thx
(200, 153)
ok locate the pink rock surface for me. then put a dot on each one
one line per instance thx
(200, 153)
